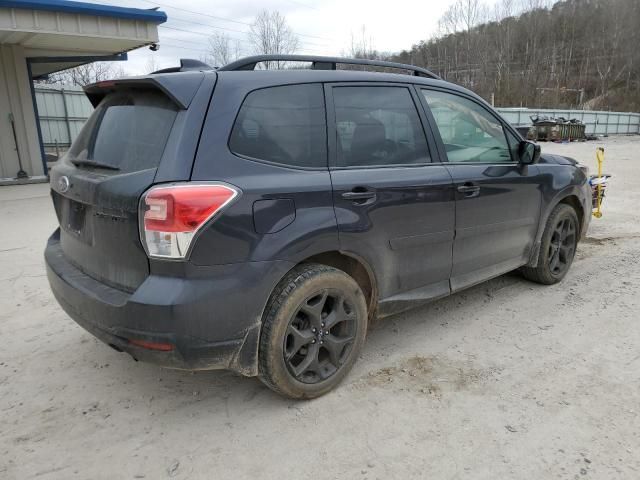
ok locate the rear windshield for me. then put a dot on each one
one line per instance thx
(128, 131)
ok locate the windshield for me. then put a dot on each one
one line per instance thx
(127, 132)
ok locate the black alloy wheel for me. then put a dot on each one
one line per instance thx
(562, 246)
(557, 246)
(319, 336)
(313, 329)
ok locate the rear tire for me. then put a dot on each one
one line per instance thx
(557, 248)
(312, 331)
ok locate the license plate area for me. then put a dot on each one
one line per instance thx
(74, 220)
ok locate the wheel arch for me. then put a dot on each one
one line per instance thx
(569, 196)
(574, 202)
(354, 266)
(350, 263)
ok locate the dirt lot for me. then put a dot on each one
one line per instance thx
(508, 380)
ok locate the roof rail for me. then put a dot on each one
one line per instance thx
(186, 65)
(323, 63)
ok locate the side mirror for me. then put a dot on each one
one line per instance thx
(529, 152)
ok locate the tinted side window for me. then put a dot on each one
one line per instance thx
(283, 125)
(469, 132)
(378, 126)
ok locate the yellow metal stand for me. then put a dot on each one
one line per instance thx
(600, 158)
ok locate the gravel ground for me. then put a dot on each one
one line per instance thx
(506, 380)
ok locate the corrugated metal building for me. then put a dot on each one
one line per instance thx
(62, 112)
(39, 37)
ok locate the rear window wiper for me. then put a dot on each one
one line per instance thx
(91, 163)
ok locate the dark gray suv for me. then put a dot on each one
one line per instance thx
(257, 220)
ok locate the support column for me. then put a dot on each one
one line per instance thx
(16, 99)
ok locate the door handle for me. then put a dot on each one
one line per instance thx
(360, 196)
(469, 189)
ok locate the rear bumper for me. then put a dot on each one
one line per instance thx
(211, 316)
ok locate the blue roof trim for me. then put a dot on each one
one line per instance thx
(67, 6)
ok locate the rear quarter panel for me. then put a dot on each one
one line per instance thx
(233, 237)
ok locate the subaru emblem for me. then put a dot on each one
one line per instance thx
(63, 184)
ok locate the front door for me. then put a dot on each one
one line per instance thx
(497, 199)
(394, 207)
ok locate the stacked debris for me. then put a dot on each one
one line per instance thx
(550, 129)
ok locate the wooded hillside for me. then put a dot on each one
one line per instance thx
(575, 53)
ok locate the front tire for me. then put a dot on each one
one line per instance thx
(557, 248)
(312, 331)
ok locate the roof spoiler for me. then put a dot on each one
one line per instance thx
(186, 65)
(179, 88)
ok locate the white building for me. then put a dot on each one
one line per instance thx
(40, 37)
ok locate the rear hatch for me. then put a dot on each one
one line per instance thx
(117, 156)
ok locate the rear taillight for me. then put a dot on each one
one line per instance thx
(172, 215)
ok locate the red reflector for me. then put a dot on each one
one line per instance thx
(163, 347)
(184, 208)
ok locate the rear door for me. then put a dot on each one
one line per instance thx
(497, 199)
(394, 204)
(129, 140)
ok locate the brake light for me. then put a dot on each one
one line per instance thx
(172, 215)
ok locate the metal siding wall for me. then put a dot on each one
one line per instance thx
(55, 125)
(8, 157)
(596, 122)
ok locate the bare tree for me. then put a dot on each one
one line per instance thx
(540, 53)
(270, 34)
(151, 65)
(222, 50)
(451, 20)
(86, 74)
(471, 12)
(362, 45)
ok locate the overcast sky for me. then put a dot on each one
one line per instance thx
(324, 26)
